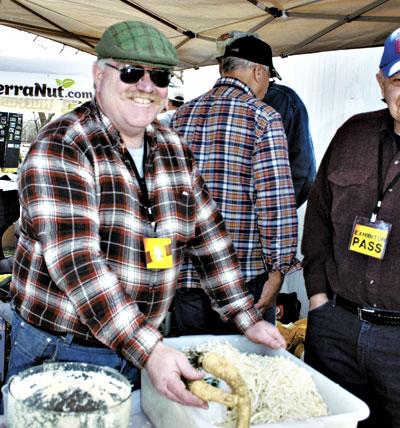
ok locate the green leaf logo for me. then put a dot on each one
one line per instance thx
(66, 83)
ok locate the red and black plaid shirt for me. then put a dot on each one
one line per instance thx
(80, 265)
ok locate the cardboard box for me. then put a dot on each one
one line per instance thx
(345, 409)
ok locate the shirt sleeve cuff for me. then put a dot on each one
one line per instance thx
(246, 319)
(316, 284)
(141, 346)
(294, 266)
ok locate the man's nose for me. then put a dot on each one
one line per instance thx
(145, 83)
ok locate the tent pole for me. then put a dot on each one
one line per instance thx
(344, 20)
(52, 23)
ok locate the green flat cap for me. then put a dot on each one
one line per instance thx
(137, 42)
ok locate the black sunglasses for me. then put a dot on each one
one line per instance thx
(133, 73)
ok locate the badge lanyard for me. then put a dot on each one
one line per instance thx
(143, 187)
(381, 192)
(158, 251)
(369, 236)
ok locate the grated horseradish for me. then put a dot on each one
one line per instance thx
(280, 389)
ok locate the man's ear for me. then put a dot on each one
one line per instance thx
(379, 79)
(258, 72)
(220, 69)
(97, 73)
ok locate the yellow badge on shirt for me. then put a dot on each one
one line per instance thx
(158, 253)
(370, 238)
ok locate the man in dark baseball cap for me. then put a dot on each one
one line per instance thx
(241, 149)
(247, 46)
(112, 203)
(285, 101)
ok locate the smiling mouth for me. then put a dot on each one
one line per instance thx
(141, 100)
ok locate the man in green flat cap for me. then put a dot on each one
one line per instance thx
(111, 202)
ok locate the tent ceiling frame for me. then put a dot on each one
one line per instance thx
(63, 30)
(42, 31)
(344, 20)
(189, 34)
(340, 20)
(261, 24)
(41, 19)
(342, 17)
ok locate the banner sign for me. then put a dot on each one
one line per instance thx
(45, 86)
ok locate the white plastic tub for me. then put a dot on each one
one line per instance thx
(345, 409)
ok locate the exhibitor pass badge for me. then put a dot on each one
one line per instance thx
(158, 253)
(369, 238)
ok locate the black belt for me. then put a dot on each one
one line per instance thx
(372, 315)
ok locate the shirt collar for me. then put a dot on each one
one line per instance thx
(110, 129)
(234, 82)
(387, 126)
(390, 126)
(390, 132)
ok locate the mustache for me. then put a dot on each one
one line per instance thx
(131, 94)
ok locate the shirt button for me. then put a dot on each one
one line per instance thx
(372, 282)
(396, 162)
(390, 190)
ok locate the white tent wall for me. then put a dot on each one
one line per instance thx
(334, 86)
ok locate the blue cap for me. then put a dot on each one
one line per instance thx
(390, 62)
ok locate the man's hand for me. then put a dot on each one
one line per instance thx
(317, 300)
(270, 291)
(165, 367)
(265, 333)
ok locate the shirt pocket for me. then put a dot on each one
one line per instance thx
(352, 192)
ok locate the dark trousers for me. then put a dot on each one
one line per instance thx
(362, 357)
(194, 314)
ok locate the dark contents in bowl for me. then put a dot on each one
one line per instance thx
(72, 400)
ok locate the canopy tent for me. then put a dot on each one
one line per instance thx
(290, 27)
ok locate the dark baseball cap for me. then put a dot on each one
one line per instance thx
(252, 49)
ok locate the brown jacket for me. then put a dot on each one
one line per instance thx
(346, 187)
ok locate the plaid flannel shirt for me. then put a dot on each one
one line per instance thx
(80, 265)
(240, 147)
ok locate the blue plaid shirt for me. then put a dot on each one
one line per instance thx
(241, 149)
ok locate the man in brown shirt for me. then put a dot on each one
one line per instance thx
(351, 247)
